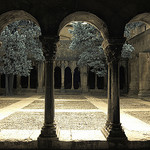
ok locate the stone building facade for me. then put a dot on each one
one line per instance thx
(139, 65)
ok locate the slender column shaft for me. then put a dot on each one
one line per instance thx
(49, 95)
(40, 77)
(115, 93)
(28, 82)
(72, 72)
(62, 77)
(109, 95)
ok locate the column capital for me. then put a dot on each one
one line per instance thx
(112, 48)
(49, 46)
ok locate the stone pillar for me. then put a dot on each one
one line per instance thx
(72, 72)
(28, 82)
(126, 77)
(48, 133)
(113, 130)
(144, 74)
(83, 73)
(40, 77)
(105, 82)
(62, 77)
(96, 88)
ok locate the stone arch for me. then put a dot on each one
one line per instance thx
(68, 78)
(57, 77)
(24, 82)
(2, 80)
(15, 15)
(87, 17)
(143, 17)
(34, 78)
(100, 82)
(91, 79)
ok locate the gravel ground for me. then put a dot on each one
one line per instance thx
(77, 97)
(5, 103)
(74, 105)
(64, 120)
(23, 121)
(80, 120)
(142, 115)
(67, 97)
(131, 104)
(38, 104)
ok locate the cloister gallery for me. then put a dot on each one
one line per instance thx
(60, 70)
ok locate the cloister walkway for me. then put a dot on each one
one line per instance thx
(78, 117)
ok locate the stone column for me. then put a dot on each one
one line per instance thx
(28, 82)
(113, 130)
(48, 133)
(105, 82)
(96, 88)
(62, 76)
(83, 75)
(40, 77)
(72, 72)
(126, 77)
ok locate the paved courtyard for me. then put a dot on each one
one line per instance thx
(78, 117)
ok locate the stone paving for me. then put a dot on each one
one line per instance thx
(78, 117)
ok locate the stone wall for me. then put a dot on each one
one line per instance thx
(141, 44)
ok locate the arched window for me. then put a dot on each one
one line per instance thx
(91, 79)
(3, 81)
(33, 78)
(24, 82)
(122, 77)
(15, 82)
(100, 82)
(57, 78)
(68, 78)
(76, 78)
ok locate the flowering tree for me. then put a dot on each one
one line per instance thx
(20, 44)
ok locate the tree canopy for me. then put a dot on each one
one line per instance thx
(87, 39)
(20, 45)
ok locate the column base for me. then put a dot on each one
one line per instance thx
(114, 132)
(63, 90)
(144, 93)
(48, 137)
(40, 90)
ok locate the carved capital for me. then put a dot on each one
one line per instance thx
(112, 49)
(49, 46)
